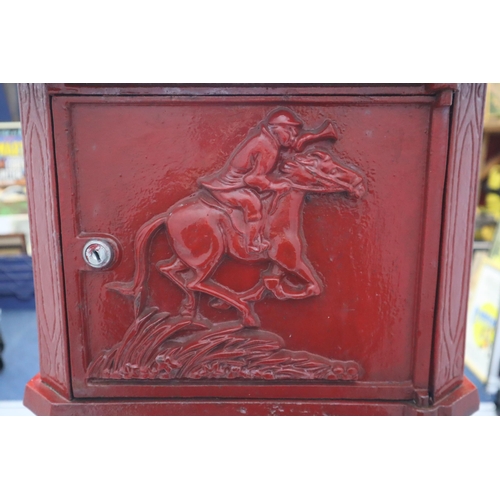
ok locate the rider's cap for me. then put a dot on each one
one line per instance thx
(283, 118)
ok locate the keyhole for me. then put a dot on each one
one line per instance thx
(98, 253)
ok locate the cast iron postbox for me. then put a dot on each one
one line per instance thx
(261, 249)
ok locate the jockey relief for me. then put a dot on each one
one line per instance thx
(249, 210)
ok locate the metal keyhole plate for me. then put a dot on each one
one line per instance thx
(97, 253)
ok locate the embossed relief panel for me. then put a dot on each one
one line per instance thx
(256, 244)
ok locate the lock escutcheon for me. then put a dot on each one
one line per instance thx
(98, 253)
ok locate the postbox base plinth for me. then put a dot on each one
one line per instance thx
(43, 400)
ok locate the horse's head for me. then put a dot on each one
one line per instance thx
(315, 170)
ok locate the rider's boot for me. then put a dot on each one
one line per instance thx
(259, 246)
(257, 243)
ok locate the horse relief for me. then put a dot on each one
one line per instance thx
(250, 210)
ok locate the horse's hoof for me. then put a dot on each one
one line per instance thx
(273, 284)
(313, 290)
(187, 312)
(251, 322)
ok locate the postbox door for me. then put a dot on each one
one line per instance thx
(235, 246)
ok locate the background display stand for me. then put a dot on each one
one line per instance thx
(493, 382)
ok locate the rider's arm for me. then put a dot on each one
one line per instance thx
(262, 160)
(257, 178)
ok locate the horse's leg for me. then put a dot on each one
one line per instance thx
(304, 271)
(173, 269)
(202, 283)
(258, 290)
(199, 238)
(272, 282)
(255, 293)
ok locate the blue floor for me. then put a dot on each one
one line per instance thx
(20, 354)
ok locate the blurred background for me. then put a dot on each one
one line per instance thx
(18, 327)
(482, 353)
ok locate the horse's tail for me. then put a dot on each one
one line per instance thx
(141, 246)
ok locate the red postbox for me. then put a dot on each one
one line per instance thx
(249, 250)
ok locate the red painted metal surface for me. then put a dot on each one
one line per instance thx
(271, 244)
(42, 400)
(45, 236)
(458, 229)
